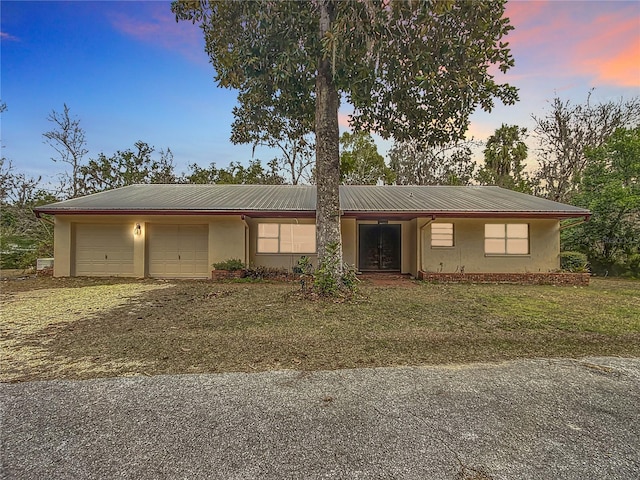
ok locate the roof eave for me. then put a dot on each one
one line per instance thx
(467, 214)
(165, 212)
(359, 214)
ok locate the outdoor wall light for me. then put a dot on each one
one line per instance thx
(138, 230)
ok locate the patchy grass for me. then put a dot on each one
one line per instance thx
(79, 328)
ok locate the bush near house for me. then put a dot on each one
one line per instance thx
(574, 262)
(230, 264)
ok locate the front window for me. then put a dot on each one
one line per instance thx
(286, 238)
(442, 234)
(506, 239)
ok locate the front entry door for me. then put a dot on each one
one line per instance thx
(379, 247)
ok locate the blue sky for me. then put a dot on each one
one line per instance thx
(129, 72)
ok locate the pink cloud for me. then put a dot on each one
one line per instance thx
(595, 40)
(157, 26)
(622, 69)
(612, 56)
(521, 12)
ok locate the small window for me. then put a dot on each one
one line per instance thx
(286, 238)
(268, 235)
(442, 234)
(506, 239)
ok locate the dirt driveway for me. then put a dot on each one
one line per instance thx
(31, 319)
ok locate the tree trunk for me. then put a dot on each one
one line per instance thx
(327, 158)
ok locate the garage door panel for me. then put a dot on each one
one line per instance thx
(178, 251)
(103, 250)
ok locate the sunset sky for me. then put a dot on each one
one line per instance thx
(129, 72)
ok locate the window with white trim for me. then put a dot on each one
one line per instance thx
(442, 234)
(506, 239)
(286, 238)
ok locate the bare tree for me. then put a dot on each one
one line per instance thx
(567, 131)
(68, 140)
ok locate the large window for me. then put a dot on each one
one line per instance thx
(286, 238)
(442, 234)
(506, 239)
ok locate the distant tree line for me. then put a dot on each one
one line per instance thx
(587, 155)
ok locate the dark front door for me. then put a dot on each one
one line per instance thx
(379, 247)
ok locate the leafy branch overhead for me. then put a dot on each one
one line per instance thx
(409, 69)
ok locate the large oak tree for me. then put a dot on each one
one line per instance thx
(410, 69)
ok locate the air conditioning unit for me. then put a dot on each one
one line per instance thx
(44, 263)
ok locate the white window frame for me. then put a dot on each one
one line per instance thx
(510, 238)
(442, 233)
(285, 245)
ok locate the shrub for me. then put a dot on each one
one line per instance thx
(574, 262)
(231, 264)
(325, 281)
(265, 273)
(632, 266)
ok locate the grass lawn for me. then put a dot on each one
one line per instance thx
(85, 328)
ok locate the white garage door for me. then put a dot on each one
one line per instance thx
(103, 250)
(178, 251)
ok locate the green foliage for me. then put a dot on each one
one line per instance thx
(304, 268)
(414, 163)
(325, 280)
(230, 264)
(260, 123)
(127, 167)
(360, 162)
(575, 262)
(631, 266)
(610, 188)
(236, 174)
(410, 69)
(23, 237)
(504, 158)
(15, 251)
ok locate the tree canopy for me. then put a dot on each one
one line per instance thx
(409, 69)
(504, 157)
(610, 188)
(360, 162)
(126, 167)
(567, 131)
(413, 163)
(236, 173)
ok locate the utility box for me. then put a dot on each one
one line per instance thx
(44, 264)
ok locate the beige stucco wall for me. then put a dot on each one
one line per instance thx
(226, 237)
(233, 237)
(62, 246)
(349, 241)
(468, 249)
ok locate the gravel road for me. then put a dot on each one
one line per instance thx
(527, 419)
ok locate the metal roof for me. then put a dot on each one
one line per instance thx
(281, 200)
